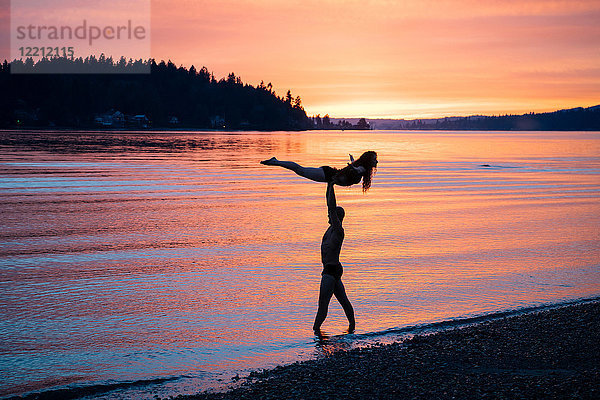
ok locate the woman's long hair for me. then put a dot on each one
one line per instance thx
(368, 160)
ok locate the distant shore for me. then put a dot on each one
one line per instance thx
(550, 354)
(192, 130)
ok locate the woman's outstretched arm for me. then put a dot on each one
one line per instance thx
(314, 174)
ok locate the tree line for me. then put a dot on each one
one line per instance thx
(575, 119)
(325, 123)
(168, 95)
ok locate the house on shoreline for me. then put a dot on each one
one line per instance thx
(117, 120)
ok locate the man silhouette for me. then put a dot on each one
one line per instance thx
(331, 277)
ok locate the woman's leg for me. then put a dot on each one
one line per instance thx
(340, 295)
(314, 174)
(325, 292)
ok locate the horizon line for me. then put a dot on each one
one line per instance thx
(500, 114)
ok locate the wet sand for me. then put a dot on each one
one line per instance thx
(552, 354)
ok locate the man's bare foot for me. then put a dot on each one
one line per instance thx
(351, 328)
(270, 161)
(320, 334)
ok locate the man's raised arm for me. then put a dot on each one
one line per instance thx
(334, 219)
(331, 203)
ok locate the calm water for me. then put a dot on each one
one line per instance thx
(128, 257)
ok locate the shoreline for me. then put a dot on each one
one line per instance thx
(550, 353)
(428, 347)
(163, 130)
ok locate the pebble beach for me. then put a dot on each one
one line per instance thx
(550, 354)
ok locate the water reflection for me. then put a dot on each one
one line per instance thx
(326, 345)
(135, 256)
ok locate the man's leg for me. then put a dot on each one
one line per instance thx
(340, 295)
(312, 173)
(325, 293)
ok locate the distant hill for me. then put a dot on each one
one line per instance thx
(167, 97)
(573, 119)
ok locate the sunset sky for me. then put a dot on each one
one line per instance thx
(394, 59)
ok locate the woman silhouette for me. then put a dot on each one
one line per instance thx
(363, 168)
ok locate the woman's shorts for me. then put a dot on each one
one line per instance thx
(329, 172)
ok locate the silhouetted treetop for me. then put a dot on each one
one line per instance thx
(167, 96)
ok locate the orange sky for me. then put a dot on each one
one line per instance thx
(402, 59)
(383, 58)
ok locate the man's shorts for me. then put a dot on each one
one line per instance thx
(334, 270)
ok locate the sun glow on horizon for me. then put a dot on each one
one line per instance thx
(384, 110)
